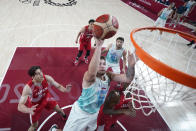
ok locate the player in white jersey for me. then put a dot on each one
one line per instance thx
(163, 15)
(189, 5)
(114, 54)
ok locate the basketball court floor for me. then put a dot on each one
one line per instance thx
(41, 32)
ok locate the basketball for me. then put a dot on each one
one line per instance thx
(105, 26)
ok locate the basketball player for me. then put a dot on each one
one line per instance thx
(114, 54)
(114, 107)
(190, 6)
(95, 85)
(85, 35)
(163, 15)
(37, 90)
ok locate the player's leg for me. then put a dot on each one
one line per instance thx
(80, 51)
(60, 111)
(33, 126)
(88, 49)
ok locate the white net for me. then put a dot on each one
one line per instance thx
(150, 90)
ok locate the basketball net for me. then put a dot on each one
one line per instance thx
(159, 81)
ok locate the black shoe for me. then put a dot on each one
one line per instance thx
(189, 44)
(194, 47)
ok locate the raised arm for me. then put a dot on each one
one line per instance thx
(124, 60)
(81, 31)
(57, 85)
(106, 49)
(160, 12)
(128, 76)
(21, 105)
(90, 75)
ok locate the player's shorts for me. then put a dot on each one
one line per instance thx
(47, 104)
(114, 67)
(85, 45)
(80, 120)
(160, 22)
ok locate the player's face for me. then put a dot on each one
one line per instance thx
(38, 76)
(91, 25)
(119, 43)
(102, 67)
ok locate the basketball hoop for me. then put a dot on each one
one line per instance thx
(164, 72)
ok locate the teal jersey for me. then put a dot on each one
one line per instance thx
(114, 55)
(164, 15)
(93, 97)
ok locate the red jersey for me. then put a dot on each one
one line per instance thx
(108, 120)
(39, 93)
(87, 35)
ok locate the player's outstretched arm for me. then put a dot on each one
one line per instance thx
(160, 12)
(21, 105)
(90, 75)
(124, 60)
(128, 76)
(57, 85)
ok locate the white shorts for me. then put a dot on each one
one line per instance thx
(160, 22)
(79, 120)
(115, 67)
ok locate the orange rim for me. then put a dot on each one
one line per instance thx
(161, 68)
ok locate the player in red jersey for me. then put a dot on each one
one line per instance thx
(115, 105)
(37, 90)
(85, 35)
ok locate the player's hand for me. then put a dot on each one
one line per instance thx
(31, 110)
(99, 42)
(76, 41)
(68, 87)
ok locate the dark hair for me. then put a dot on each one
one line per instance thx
(91, 20)
(102, 58)
(112, 96)
(120, 38)
(32, 70)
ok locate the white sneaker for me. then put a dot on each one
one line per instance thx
(53, 127)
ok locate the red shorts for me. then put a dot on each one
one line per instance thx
(85, 45)
(47, 104)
